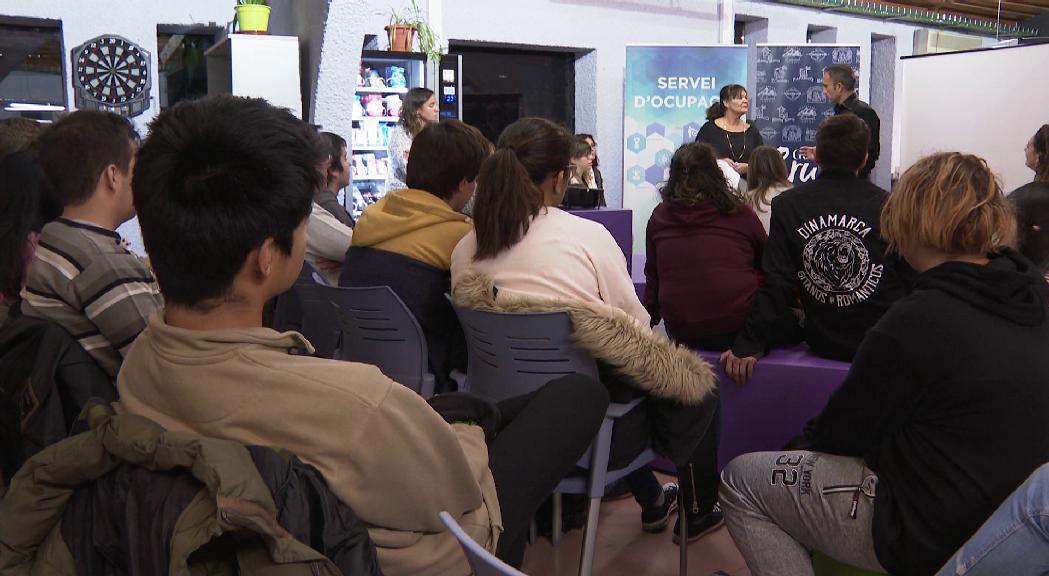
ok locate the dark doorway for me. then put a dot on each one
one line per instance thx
(501, 85)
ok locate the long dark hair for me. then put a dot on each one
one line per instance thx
(765, 170)
(1041, 146)
(590, 140)
(334, 144)
(695, 176)
(26, 204)
(414, 100)
(508, 194)
(729, 92)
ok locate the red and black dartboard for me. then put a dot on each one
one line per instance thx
(111, 73)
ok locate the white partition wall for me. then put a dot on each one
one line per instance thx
(986, 102)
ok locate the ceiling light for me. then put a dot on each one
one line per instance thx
(33, 107)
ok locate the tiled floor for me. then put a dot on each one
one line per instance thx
(624, 550)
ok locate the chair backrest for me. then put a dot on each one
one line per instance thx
(305, 309)
(482, 562)
(377, 328)
(513, 354)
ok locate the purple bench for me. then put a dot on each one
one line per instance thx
(619, 223)
(788, 388)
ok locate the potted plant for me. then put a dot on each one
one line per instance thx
(405, 25)
(253, 16)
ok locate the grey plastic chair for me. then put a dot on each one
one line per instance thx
(482, 562)
(513, 354)
(305, 309)
(377, 328)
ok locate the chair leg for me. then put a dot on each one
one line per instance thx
(682, 532)
(586, 561)
(555, 522)
(532, 531)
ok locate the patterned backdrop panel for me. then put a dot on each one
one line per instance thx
(789, 103)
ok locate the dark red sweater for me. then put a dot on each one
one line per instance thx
(703, 268)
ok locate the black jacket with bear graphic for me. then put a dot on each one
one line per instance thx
(825, 246)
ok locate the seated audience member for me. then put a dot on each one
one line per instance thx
(338, 172)
(405, 240)
(82, 276)
(704, 254)
(539, 255)
(825, 243)
(943, 412)
(225, 237)
(594, 160)
(1031, 202)
(327, 241)
(26, 204)
(582, 162)
(1014, 540)
(766, 179)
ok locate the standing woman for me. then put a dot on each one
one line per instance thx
(419, 110)
(766, 179)
(733, 138)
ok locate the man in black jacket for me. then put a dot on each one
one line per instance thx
(825, 244)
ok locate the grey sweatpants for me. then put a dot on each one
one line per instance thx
(779, 506)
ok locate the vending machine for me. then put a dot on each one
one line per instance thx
(449, 82)
(383, 80)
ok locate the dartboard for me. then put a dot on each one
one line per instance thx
(112, 73)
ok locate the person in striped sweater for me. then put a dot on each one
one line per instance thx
(82, 276)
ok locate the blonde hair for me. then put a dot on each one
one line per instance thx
(950, 202)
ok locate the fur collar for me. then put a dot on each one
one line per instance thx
(657, 366)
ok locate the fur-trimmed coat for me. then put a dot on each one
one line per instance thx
(657, 366)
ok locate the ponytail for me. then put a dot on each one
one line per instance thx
(506, 201)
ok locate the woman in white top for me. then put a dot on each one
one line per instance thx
(531, 248)
(767, 179)
(419, 110)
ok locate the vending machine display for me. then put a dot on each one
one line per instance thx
(382, 81)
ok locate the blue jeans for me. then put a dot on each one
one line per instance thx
(1015, 539)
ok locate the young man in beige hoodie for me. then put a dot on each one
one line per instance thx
(223, 189)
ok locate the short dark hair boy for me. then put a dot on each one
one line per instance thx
(445, 154)
(82, 277)
(841, 143)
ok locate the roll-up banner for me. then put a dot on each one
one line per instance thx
(666, 94)
(788, 104)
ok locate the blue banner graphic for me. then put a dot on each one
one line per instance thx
(666, 94)
(788, 104)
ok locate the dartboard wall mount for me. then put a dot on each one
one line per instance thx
(111, 73)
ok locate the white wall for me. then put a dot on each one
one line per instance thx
(947, 107)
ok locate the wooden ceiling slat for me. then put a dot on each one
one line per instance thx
(1012, 10)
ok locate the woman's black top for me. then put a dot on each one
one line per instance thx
(734, 145)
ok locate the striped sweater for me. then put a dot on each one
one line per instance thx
(84, 279)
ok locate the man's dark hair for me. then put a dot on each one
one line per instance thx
(77, 148)
(843, 74)
(215, 178)
(841, 143)
(443, 154)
